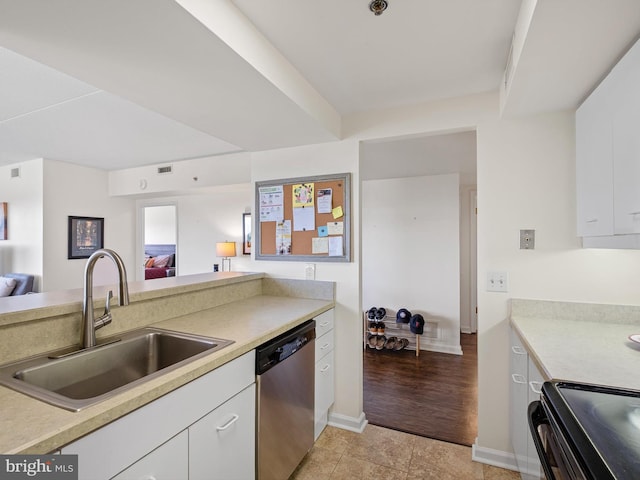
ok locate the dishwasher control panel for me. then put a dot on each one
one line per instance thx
(283, 346)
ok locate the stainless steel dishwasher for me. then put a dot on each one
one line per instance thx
(285, 388)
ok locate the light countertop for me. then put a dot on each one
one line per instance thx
(31, 426)
(581, 343)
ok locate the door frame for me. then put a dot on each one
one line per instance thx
(140, 232)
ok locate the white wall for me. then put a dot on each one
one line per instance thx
(207, 216)
(160, 225)
(338, 157)
(468, 266)
(526, 179)
(22, 252)
(190, 174)
(72, 190)
(411, 251)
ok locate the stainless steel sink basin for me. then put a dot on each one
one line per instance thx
(79, 379)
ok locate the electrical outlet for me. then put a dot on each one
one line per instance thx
(497, 282)
(527, 239)
(310, 271)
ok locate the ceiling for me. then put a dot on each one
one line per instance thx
(121, 84)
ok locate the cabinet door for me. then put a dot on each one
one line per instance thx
(594, 165)
(167, 462)
(518, 401)
(222, 444)
(324, 391)
(535, 385)
(626, 151)
(324, 345)
(625, 99)
(324, 322)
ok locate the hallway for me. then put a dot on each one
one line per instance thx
(433, 395)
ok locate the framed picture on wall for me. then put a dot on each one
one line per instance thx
(86, 235)
(3, 221)
(246, 234)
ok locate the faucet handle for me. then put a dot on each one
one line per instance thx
(106, 318)
(107, 305)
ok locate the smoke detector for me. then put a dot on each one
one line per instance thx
(378, 6)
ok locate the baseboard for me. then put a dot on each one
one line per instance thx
(497, 458)
(352, 424)
(451, 349)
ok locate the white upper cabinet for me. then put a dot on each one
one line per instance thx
(626, 144)
(594, 165)
(608, 156)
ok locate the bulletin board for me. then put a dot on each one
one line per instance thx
(305, 219)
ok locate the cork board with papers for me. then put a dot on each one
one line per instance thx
(306, 219)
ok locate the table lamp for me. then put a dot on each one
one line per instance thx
(226, 250)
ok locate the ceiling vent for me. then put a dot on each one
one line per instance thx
(15, 172)
(167, 169)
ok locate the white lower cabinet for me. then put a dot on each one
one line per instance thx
(324, 381)
(222, 444)
(152, 441)
(525, 385)
(167, 462)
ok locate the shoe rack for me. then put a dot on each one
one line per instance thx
(392, 329)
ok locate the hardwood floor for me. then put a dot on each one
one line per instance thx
(433, 395)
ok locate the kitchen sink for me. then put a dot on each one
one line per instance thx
(75, 380)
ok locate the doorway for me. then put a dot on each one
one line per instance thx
(417, 254)
(159, 240)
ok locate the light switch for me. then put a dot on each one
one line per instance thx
(497, 282)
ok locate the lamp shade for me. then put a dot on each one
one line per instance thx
(226, 249)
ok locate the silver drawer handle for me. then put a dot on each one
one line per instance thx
(536, 387)
(324, 324)
(231, 421)
(634, 213)
(325, 368)
(324, 346)
(517, 378)
(518, 350)
(592, 220)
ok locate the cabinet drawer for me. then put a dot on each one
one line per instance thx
(324, 345)
(324, 323)
(325, 391)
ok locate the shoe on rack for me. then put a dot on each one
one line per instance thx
(373, 328)
(380, 342)
(402, 343)
(380, 328)
(391, 343)
(372, 341)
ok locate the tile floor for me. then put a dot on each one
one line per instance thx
(381, 453)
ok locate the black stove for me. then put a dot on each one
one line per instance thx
(587, 432)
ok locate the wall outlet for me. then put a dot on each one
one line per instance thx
(497, 282)
(527, 239)
(310, 271)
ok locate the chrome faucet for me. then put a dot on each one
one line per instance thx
(89, 323)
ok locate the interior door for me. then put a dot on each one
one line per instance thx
(159, 227)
